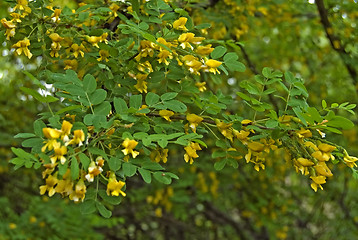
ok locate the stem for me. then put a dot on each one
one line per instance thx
(89, 103)
(288, 97)
(206, 125)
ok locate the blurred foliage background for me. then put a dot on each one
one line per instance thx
(206, 204)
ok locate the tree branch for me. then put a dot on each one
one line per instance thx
(335, 41)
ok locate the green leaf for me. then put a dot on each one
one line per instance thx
(102, 109)
(222, 144)
(135, 101)
(129, 169)
(162, 177)
(151, 99)
(98, 96)
(152, 166)
(289, 77)
(340, 122)
(172, 175)
(299, 114)
(175, 106)
(71, 77)
(218, 154)
(85, 161)
(24, 135)
(156, 77)
(19, 162)
(266, 71)
(220, 165)
(120, 105)
(88, 206)
(38, 96)
(146, 175)
(235, 66)
(168, 96)
(34, 79)
(243, 96)
(271, 123)
(32, 142)
(218, 52)
(314, 114)
(22, 154)
(114, 163)
(103, 210)
(114, 200)
(74, 169)
(89, 83)
(229, 57)
(62, 168)
(68, 109)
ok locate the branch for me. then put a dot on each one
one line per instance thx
(336, 43)
(256, 72)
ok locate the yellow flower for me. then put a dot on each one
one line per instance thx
(79, 193)
(114, 7)
(21, 47)
(256, 146)
(163, 55)
(225, 129)
(192, 63)
(77, 50)
(15, 17)
(104, 54)
(10, 28)
(94, 40)
(55, 45)
(180, 24)
(65, 130)
(146, 48)
(194, 121)
(164, 42)
(201, 86)
(51, 134)
(256, 155)
(323, 152)
(317, 181)
(212, 66)
(94, 169)
(349, 160)
(64, 187)
(129, 145)
(78, 138)
(56, 15)
(159, 154)
(51, 181)
(305, 162)
(204, 50)
(166, 114)
(304, 133)
(322, 169)
(141, 85)
(114, 187)
(59, 154)
(70, 64)
(190, 152)
(242, 135)
(186, 38)
(145, 67)
(22, 5)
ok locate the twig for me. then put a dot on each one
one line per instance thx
(336, 43)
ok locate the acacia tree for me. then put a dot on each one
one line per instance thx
(140, 90)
